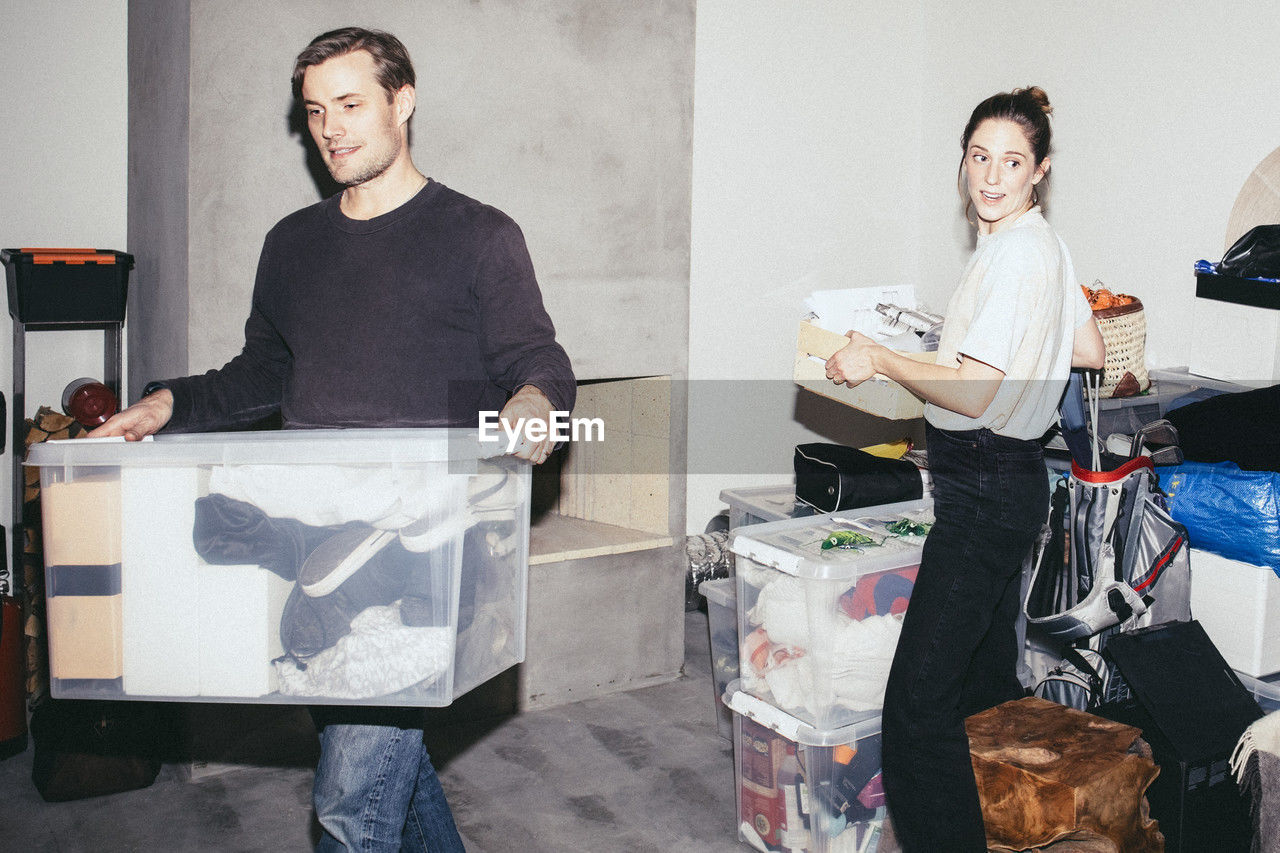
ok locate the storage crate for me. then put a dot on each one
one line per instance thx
(1238, 605)
(171, 566)
(763, 504)
(1266, 691)
(67, 285)
(1127, 415)
(722, 623)
(1174, 383)
(805, 789)
(818, 626)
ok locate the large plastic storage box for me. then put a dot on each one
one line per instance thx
(805, 789)
(1238, 604)
(1179, 386)
(1266, 691)
(722, 624)
(67, 285)
(819, 606)
(762, 504)
(171, 566)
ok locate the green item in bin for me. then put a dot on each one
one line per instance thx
(907, 527)
(846, 540)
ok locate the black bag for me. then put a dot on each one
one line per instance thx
(88, 748)
(832, 477)
(1255, 255)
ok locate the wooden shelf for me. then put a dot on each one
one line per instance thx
(554, 538)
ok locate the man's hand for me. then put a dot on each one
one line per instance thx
(532, 405)
(853, 363)
(147, 416)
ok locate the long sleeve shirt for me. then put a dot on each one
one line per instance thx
(424, 316)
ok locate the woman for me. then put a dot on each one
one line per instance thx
(1014, 327)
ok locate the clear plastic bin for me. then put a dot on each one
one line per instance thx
(763, 504)
(1266, 691)
(805, 789)
(818, 626)
(379, 567)
(722, 623)
(1174, 383)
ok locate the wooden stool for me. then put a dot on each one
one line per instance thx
(1049, 773)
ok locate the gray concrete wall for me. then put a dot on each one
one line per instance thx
(573, 116)
(158, 183)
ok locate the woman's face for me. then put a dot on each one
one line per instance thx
(1000, 172)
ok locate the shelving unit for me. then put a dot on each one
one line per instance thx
(112, 370)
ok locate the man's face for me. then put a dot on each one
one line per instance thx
(355, 126)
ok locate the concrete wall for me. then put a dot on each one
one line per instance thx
(63, 174)
(574, 120)
(826, 148)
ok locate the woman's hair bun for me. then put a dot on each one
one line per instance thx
(1037, 96)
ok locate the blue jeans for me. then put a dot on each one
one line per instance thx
(375, 787)
(958, 651)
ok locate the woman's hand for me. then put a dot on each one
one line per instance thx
(854, 363)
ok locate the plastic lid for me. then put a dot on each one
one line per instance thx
(793, 729)
(771, 503)
(460, 447)
(721, 591)
(794, 545)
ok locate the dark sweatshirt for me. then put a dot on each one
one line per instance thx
(423, 317)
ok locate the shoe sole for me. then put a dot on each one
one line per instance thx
(338, 558)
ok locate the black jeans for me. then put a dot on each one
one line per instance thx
(958, 652)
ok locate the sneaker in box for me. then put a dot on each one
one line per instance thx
(820, 603)
(381, 567)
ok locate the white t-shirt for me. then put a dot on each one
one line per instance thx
(1017, 308)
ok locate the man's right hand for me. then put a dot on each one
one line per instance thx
(147, 416)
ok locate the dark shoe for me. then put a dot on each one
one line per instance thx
(339, 557)
(308, 625)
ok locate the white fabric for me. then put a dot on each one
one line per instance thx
(385, 496)
(855, 659)
(1017, 308)
(379, 657)
(1262, 735)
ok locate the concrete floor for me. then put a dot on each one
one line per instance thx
(638, 771)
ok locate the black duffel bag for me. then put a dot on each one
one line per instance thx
(831, 477)
(88, 748)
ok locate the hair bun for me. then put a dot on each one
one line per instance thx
(1037, 96)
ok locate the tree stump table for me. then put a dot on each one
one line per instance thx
(1047, 773)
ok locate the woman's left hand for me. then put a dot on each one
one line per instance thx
(853, 363)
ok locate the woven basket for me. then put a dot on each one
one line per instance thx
(1124, 330)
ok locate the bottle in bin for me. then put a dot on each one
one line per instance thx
(89, 401)
(763, 806)
(795, 798)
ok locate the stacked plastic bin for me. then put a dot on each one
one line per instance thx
(819, 606)
(750, 506)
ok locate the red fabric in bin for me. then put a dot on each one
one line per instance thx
(880, 594)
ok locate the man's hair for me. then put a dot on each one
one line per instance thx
(390, 59)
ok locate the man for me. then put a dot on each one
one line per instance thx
(397, 302)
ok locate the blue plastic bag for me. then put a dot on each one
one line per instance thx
(1226, 510)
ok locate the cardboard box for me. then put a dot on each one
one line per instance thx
(877, 396)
